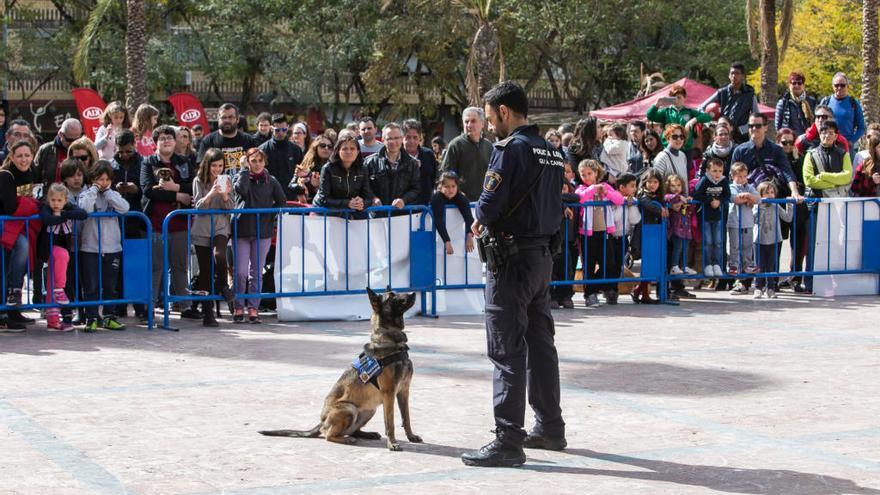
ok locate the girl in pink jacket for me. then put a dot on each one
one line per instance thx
(598, 221)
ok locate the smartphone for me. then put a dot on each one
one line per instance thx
(666, 100)
(223, 181)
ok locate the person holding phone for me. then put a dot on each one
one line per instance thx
(671, 110)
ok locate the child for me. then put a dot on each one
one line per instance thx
(569, 175)
(626, 217)
(211, 190)
(769, 237)
(57, 215)
(740, 223)
(101, 243)
(650, 200)
(597, 223)
(73, 177)
(114, 119)
(713, 191)
(255, 188)
(447, 193)
(615, 149)
(679, 227)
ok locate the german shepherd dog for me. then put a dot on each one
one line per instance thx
(351, 402)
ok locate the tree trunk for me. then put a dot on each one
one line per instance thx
(769, 53)
(870, 71)
(135, 55)
(485, 50)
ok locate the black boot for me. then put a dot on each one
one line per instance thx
(538, 441)
(495, 454)
(192, 313)
(208, 319)
(17, 317)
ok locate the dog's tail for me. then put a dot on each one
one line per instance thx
(313, 433)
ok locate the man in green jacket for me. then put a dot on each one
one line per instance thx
(677, 113)
(468, 154)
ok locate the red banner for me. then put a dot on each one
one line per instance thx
(90, 106)
(189, 111)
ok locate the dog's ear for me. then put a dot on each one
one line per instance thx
(375, 300)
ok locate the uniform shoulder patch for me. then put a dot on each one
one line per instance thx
(504, 142)
(491, 181)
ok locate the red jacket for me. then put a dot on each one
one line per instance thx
(810, 139)
(27, 206)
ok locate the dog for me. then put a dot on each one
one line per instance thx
(353, 400)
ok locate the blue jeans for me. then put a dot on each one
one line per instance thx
(678, 253)
(713, 239)
(103, 288)
(16, 263)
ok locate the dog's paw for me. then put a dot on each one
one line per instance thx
(393, 446)
(414, 438)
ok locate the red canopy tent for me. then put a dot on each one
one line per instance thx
(697, 93)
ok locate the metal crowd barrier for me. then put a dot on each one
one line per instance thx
(135, 255)
(421, 243)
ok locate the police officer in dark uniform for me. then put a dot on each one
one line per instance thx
(520, 207)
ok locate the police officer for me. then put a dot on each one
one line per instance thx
(521, 206)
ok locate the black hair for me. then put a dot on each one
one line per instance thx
(297, 189)
(165, 130)
(69, 168)
(279, 118)
(124, 138)
(829, 124)
(448, 175)
(226, 106)
(758, 115)
(509, 94)
(639, 124)
(738, 66)
(413, 124)
(438, 140)
(197, 127)
(365, 119)
(102, 167)
(625, 179)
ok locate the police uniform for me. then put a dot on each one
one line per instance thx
(519, 325)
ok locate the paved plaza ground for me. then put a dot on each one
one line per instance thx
(717, 395)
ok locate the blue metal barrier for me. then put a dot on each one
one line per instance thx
(419, 281)
(134, 294)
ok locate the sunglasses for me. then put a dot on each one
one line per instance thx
(755, 126)
(796, 83)
(840, 85)
(280, 129)
(822, 117)
(786, 142)
(324, 146)
(676, 136)
(82, 158)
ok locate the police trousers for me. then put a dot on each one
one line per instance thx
(520, 337)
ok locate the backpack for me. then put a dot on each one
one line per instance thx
(770, 173)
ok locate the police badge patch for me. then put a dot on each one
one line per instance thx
(366, 367)
(491, 181)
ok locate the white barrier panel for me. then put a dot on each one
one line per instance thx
(306, 243)
(458, 302)
(845, 247)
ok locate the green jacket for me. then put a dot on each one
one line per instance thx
(672, 115)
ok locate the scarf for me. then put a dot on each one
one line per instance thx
(674, 152)
(260, 177)
(720, 152)
(804, 104)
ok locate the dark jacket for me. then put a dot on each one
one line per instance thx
(184, 174)
(470, 161)
(283, 157)
(14, 183)
(130, 171)
(263, 192)
(339, 186)
(769, 155)
(427, 174)
(789, 113)
(706, 190)
(651, 209)
(438, 210)
(388, 183)
(57, 230)
(47, 162)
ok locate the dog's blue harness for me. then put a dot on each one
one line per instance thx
(369, 368)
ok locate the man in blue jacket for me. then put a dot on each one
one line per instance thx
(847, 110)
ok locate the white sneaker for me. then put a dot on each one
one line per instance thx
(689, 271)
(709, 271)
(675, 270)
(718, 271)
(758, 294)
(771, 294)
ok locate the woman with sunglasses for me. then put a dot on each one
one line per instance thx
(308, 172)
(795, 109)
(83, 149)
(673, 160)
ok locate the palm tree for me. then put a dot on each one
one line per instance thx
(870, 71)
(135, 49)
(761, 29)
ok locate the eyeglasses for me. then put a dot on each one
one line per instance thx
(166, 137)
(786, 142)
(796, 83)
(325, 146)
(840, 85)
(82, 158)
(280, 129)
(822, 116)
(676, 136)
(69, 139)
(755, 126)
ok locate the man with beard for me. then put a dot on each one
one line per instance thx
(227, 138)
